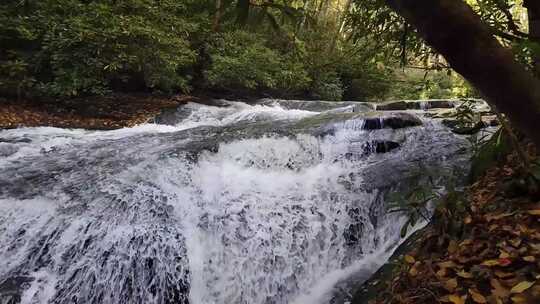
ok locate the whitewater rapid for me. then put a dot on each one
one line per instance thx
(233, 204)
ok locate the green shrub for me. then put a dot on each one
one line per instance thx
(241, 61)
(91, 48)
(327, 87)
(422, 84)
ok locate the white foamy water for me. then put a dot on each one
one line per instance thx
(190, 213)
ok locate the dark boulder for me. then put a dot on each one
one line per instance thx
(393, 121)
(402, 105)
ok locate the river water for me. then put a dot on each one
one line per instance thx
(274, 202)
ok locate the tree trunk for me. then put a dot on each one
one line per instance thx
(456, 32)
(533, 10)
(242, 12)
(217, 16)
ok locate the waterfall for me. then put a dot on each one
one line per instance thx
(232, 204)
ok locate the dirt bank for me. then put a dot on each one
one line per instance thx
(100, 112)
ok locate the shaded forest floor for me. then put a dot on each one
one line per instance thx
(488, 253)
(100, 113)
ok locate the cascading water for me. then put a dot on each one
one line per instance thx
(266, 203)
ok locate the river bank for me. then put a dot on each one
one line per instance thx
(492, 256)
(94, 113)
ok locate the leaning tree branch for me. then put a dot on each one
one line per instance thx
(455, 31)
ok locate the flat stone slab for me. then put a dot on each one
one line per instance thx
(402, 105)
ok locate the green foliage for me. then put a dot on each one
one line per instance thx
(490, 153)
(327, 87)
(430, 84)
(414, 204)
(444, 207)
(329, 50)
(81, 47)
(242, 61)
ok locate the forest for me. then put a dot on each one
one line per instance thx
(328, 50)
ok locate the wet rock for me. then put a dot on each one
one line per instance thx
(383, 146)
(397, 106)
(15, 140)
(7, 149)
(491, 121)
(460, 128)
(12, 288)
(394, 121)
(402, 105)
(319, 106)
(438, 104)
(327, 123)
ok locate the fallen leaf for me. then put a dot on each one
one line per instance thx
(452, 247)
(504, 255)
(515, 242)
(447, 264)
(445, 299)
(521, 287)
(456, 299)
(534, 212)
(464, 274)
(519, 299)
(409, 259)
(413, 271)
(450, 285)
(441, 273)
(498, 290)
(535, 246)
(491, 217)
(466, 242)
(503, 275)
(504, 262)
(490, 263)
(529, 258)
(477, 296)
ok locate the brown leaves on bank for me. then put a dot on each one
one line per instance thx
(102, 113)
(496, 260)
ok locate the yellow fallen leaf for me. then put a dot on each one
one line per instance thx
(456, 299)
(498, 301)
(534, 212)
(504, 255)
(515, 242)
(519, 299)
(521, 287)
(490, 263)
(464, 274)
(529, 258)
(409, 259)
(413, 271)
(477, 296)
(503, 275)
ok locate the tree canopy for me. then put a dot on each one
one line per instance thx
(320, 49)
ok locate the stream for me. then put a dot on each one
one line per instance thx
(264, 203)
